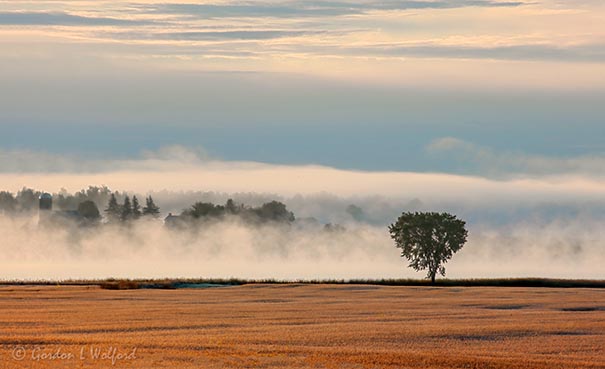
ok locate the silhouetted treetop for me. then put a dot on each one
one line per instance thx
(151, 209)
(126, 210)
(136, 208)
(113, 210)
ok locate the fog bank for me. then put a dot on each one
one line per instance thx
(229, 248)
(519, 227)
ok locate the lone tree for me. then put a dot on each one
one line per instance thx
(428, 240)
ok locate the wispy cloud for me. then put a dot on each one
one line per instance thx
(211, 35)
(181, 168)
(370, 33)
(574, 53)
(165, 158)
(471, 158)
(315, 8)
(62, 19)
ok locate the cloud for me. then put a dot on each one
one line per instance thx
(314, 8)
(251, 10)
(178, 153)
(62, 19)
(576, 53)
(471, 158)
(580, 53)
(351, 45)
(211, 35)
(168, 157)
(182, 169)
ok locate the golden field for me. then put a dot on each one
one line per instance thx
(301, 326)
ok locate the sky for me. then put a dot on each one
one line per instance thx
(421, 86)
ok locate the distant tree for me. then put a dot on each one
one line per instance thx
(100, 195)
(66, 201)
(89, 210)
(356, 212)
(230, 207)
(204, 210)
(113, 210)
(126, 210)
(428, 240)
(136, 208)
(274, 211)
(27, 199)
(151, 208)
(8, 203)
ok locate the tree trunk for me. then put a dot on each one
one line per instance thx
(433, 278)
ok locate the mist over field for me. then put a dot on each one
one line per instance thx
(518, 227)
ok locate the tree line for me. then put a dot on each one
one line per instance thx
(27, 199)
(121, 207)
(273, 211)
(130, 210)
(85, 203)
(24, 200)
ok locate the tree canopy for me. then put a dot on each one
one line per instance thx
(273, 211)
(89, 210)
(123, 208)
(428, 240)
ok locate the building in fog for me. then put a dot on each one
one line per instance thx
(46, 202)
(45, 208)
(173, 221)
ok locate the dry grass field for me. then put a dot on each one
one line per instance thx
(302, 326)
